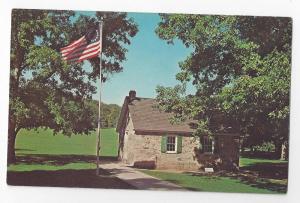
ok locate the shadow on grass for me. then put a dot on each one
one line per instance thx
(270, 176)
(269, 170)
(85, 178)
(27, 150)
(58, 160)
(155, 184)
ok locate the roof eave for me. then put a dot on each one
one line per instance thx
(144, 131)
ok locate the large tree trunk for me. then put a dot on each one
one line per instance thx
(16, 69)
(12, 133)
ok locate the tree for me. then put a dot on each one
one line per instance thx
(109, 114)
(239, 66)
(112, 115)
(46, 91)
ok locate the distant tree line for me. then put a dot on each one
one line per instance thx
(109, 114)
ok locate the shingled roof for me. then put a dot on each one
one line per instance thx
(147, 118)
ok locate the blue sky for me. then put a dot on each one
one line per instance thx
(150, 62)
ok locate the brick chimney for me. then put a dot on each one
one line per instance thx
(132, 95)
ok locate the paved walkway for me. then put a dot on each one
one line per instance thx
(138, 179)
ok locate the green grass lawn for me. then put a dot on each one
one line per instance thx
(272, 178)
(209, 183)
(50, 167)
(53, 160)
(245, 162)
(44, 142)
(61, 161)
(41, 150)
(272, 172)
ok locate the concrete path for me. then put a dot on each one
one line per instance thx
(138, 179)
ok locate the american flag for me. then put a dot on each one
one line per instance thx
(86, 47)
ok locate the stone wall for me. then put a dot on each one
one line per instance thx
(127, 150)
(185, 160)
(146, 148)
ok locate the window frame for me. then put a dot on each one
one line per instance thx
(205, 145)
(175, 143)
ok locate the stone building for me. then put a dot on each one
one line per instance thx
(147, 139)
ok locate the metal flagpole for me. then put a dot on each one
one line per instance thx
(99, 106)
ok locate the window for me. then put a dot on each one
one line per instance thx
(171, 144)
(207, 145)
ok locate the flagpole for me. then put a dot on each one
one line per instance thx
(99, 105)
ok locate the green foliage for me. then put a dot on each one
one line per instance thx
(19, 108)
(240, 67)
(262, 102)
(46, 91)
(109, 114)
(118, 29)
(265, 147)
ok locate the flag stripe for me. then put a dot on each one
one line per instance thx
(88, 46)
(80, 49)
(88, 56)
(74, 43)
(82, 43)
(85, 52)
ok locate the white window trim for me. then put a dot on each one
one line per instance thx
(171, 152)
(212, 145)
